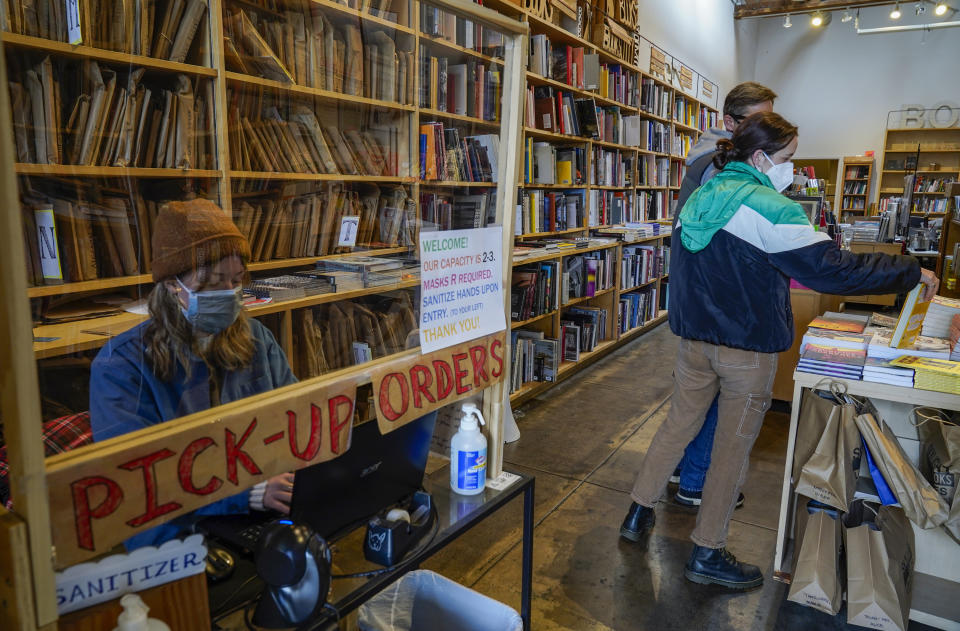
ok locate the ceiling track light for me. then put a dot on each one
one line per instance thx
(846, 16)
(856, 21)
(819, 19)
(895, 14)
(786, 22)
(919, 8)
(941, 9)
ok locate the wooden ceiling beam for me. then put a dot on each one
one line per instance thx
(769, 8)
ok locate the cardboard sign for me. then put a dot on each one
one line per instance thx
(622, 11)
(88, 584)
(542, 9)
(403, 392)
(461, 282)
(658, 63)
(613, 38)
(135, 482)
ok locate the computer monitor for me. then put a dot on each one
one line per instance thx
(379, 470)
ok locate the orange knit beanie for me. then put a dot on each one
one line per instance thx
(188, 235)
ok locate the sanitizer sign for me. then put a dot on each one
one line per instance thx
(461, 282)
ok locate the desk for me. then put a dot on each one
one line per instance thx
(937, 566)
(457, 514)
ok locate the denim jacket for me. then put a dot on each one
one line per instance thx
(125, 395)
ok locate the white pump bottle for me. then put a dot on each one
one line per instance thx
(134, 616)
(468, 454)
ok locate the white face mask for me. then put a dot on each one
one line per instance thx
(781, 175)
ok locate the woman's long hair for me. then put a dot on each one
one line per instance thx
(766, 131)
(169, 339)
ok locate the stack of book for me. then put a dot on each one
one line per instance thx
(834, 361)
(939, 316)
(882, 371)
(941, 375)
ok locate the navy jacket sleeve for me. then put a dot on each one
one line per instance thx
(824, 267)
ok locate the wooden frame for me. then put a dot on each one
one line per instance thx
(25, 537)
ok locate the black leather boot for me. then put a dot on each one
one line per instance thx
(710, 565)
(638, 522)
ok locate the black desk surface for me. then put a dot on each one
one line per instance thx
(456, 514)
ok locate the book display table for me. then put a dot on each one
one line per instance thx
(936, 580)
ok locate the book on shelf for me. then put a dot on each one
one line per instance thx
(445, 155)
(549, 211)
(552, 164)
(589, 322)
(470, 89)
(611, 167)
(110, 118)
(303, 46)
(75, 239)
(654, 98)
(536, 358)
(636, 308)
(453, 211)
(440, 24)
(534, 290)
(163, 29)
(640, 264)
(308, 146)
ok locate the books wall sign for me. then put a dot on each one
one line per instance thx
(942, 115)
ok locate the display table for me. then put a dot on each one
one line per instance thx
(936, 580)
(457, 514)
(806, 304)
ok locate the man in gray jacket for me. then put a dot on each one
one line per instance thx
(742, 101)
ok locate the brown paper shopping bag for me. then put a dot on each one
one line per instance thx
(920, 501)
(940, 460)
(880, 572)
(816, 409)
(816, 575)
(830, 473)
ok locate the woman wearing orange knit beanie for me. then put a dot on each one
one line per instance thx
(197, 350)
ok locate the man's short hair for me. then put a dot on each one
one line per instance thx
(745, 95)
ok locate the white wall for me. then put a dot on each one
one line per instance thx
(838, 86)
(700, 33)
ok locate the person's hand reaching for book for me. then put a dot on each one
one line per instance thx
(928, 278)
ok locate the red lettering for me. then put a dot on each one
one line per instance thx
(235, 452)
(337, 424)
(478, 356)
(494, 346)
(422, 380)
(154, 510)
(185, 468)
(444, 378)
(461, 387)
(83, 514)
(316, 434)
(385, 405)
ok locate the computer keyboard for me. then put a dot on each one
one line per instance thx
(250, 536)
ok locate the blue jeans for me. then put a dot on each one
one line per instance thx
(696, 458)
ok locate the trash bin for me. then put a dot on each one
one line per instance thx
(425, 601)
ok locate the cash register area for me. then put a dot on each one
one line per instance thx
(585, 577)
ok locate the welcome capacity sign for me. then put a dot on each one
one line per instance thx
(461, 280)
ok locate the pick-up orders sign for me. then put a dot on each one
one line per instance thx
(461, 281)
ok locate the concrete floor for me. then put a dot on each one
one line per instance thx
(583, 441)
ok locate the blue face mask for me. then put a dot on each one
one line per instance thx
(212, 311)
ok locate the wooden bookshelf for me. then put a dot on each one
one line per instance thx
(853, 192)
(936, 153)
(258, 83)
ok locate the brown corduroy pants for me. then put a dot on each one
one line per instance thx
(745, 382)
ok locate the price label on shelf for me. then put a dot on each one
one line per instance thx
(461, 283)
(74, 33)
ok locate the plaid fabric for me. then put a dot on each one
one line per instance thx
(59, 435)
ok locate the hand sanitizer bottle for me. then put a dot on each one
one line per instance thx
(134, 616)
(468, 454)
